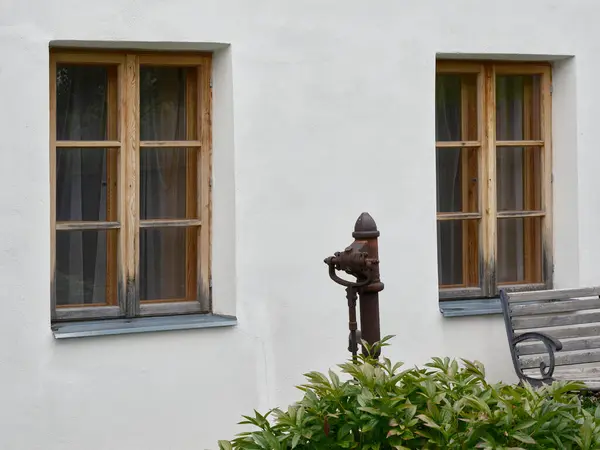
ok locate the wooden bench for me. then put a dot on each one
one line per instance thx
(554, 335)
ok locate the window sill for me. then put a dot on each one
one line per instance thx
(140, 325)
(475, 307)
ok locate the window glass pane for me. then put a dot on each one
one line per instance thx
(456, 107)
(82, 260)
(86, 184)
(81, 102)
(519, 250)
(518, 177)
(458, 252)
(518, 107)
(163, 180)
(456, 171)
(164, 92)
(163, 263)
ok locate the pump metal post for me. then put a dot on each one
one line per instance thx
(361, 260)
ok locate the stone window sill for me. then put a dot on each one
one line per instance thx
(140, 325)
(477, 307)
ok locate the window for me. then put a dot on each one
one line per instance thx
(130, 143)
(493, 165)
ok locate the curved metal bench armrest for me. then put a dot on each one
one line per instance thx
(552, 345)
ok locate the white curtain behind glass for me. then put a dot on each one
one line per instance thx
(162, 182)
(81, 257)
(509, 176)
(81, 185)
(509, 167)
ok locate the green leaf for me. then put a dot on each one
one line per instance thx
(295, 440)
(524, 425)
(522, 437)
(428, 421)
(225, 445)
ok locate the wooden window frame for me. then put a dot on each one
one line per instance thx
(487, 213)
(123, 164)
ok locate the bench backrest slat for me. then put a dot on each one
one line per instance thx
(532, 348)
(555, 294)
(555, 320)
(562, 359)
(548, 307)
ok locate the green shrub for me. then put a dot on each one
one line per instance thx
(445, 405)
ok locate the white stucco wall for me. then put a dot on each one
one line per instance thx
(310, 95)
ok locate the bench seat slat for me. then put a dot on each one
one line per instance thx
(557, 320)
(586, 373)
(556, 294)
(548, 307)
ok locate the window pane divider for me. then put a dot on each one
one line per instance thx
(161, 223)
(170, 144)
(459, 216)
(128, 285)
(535, 143)
(86, 225)
(457, 144)
(88, 144)
(488, 184)
(519, 214)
